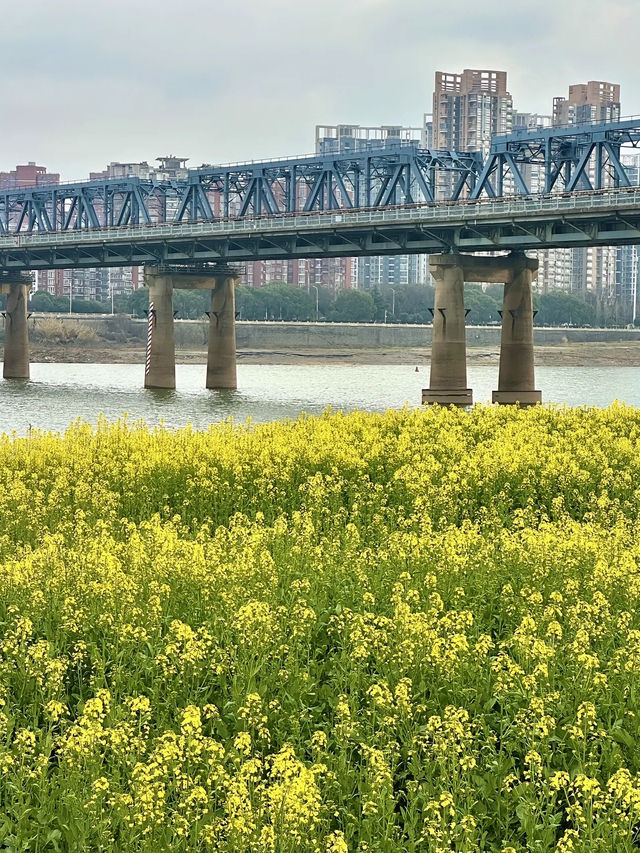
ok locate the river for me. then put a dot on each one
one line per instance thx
(60, 393)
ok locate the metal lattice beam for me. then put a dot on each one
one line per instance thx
(77, 207)
(576, 157)
(551, 160)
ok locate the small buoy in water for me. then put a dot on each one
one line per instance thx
(416, 370)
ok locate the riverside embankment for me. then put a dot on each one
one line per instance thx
(107, 339)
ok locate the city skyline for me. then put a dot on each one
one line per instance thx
(469, 107)
(420, 130)
(217, 81)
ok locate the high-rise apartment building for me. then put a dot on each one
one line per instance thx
(94, 283)
(368, 273)
(588, 102)
(333, 273)
(628, 257)
(590, 273)
(375, 271)
(470, 108)
(594, 270)
(555, 266)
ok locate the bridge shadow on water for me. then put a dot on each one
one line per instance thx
(160, 395)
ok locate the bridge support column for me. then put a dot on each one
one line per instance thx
(448, 380)
(516, 382)
(16, 332)
(221, 357)
(160, 365)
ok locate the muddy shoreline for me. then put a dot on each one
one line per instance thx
(625, 354)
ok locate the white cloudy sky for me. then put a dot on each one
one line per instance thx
(83, 82)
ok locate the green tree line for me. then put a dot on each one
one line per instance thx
(281, 301)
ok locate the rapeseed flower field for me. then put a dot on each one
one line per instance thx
(416, 631)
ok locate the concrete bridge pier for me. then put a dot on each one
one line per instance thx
(16, 330)
(516, 382)
(448, 379)
(221, 356)
(160, 365)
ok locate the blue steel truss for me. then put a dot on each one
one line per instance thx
(575, 157)
(404, 175)
(523, 163)
(77, 207)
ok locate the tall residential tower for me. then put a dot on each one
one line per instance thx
(593, 269)
(470, 108)
(587, 102)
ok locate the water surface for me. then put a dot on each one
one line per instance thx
(60, 393)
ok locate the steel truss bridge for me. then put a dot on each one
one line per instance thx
(543, 189)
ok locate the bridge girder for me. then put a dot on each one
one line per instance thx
(581, 156)
(597, 220)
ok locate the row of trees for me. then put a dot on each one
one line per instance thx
(280, 301)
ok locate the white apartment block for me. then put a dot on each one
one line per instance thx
(346, 138)
(368, 273)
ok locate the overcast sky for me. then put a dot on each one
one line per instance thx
(83, 83)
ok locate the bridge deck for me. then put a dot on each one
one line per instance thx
(610, 217)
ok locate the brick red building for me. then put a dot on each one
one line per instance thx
(28, 175)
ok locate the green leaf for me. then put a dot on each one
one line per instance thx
(623, 737)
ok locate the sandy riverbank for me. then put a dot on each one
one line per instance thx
(574, 354)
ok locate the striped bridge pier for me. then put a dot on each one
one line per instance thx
(160, 362)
